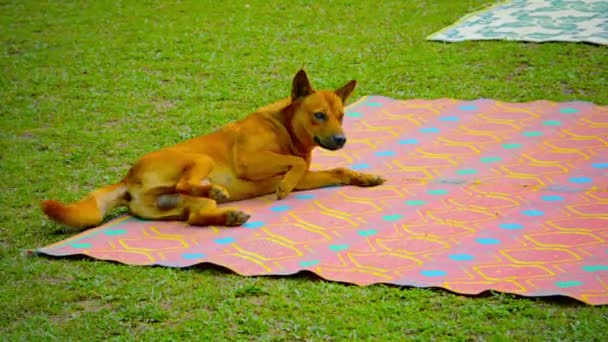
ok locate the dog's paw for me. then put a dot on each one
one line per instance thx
(364, 179)
(236, 218)
(219, 194)
(283, 190)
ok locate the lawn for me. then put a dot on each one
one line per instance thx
(88, 86)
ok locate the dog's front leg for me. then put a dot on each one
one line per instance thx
(264, 165)
(338, 176)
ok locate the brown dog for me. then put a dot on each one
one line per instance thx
(268, 151)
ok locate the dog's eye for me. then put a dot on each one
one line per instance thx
(320, 116)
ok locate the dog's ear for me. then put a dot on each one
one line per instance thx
(346, 90)
(300, 86)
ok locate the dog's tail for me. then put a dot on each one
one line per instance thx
(89, 211)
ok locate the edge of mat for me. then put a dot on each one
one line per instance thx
(466, 17)
(301, 271)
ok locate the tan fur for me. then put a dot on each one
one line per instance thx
(268, 151)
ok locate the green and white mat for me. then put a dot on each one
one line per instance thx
(533, 21)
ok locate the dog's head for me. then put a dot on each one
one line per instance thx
(318, 114)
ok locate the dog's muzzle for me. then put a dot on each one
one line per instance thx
(334, 142)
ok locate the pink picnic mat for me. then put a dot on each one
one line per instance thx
(481, 195)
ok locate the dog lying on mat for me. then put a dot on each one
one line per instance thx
(268, 151)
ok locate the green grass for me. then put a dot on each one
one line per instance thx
(88, 86)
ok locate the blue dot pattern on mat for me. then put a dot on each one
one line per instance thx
(305, 196)
(367, 232)
(374, 104)
(595, 268)
(449, 118)
(511, 226)
(354, 114)
(309, 263)
(415, 203)
(81, 245)
(552, 123)
(385, 154)
(568, 110)
(552, 198)
(429, 130)
(490, 159)
(360, 166)
(437, 192)
(580, 180)
(533, 212)
(600, 165)
(114, 232)
(224, 240)
(462, 257)
(280, 208)
(433, 273)
(468, 107)
(339, 248)
(487, 241)
(466, 172)
(511, 146)
(569, 283)
(191, 256)
(532, 134)
(253, 224)
(408, 141)
(393, 217)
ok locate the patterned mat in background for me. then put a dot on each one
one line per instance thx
(480, 195)
(534, 21)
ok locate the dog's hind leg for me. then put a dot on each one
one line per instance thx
(204, 212)
(193, 180)
(197, 211)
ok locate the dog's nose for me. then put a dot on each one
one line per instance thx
(339, 139)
